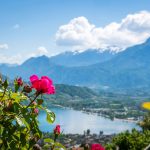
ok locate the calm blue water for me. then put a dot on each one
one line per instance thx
(73, 121)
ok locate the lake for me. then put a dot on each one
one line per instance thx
(73, 121)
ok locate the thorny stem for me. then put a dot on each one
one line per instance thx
(55, 138)
(32, 100)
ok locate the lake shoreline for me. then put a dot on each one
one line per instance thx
(76, 122)
(92, 113)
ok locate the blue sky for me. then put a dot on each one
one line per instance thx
(29, 27)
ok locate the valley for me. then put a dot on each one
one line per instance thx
(108, 104)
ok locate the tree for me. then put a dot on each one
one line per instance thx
(134, 140)
(88, 131)
(145, 123)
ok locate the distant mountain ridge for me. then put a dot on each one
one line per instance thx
(85, 58)
(127, 69)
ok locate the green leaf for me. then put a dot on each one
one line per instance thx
(48, 140)
(18, 97)
(25, 123)
(23, 139)
(16, 108)
(5, 97)
(50, 116)
(1, 130)
(46, 147)
(19, 121)
(57, 144)
(16, 87)
(1, 141)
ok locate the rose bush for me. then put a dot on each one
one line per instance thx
(20, 106)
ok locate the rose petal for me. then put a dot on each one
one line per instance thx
(51, 90)
(97, 146)
(47, 78)
(45, 85)
(33, 78)
(37, 85)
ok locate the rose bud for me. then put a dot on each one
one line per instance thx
(27, 89)
(19, 81)
(57, 130)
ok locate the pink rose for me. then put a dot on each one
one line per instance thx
(43, 85)
(97, 147)
(57, 130)
(19, 81)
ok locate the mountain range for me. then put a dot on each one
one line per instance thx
(85, 58)
(127, 69)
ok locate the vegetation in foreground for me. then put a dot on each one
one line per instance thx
(19, 109)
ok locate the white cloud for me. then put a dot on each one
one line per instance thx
(77, 33)
(20, 57)
(11, 59)
(80, 34)
(3, 46)
(16, 26)
(39, 52)
(42, 50)
(139, 22)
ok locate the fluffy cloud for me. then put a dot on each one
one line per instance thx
(3, 46)
(80, 34)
